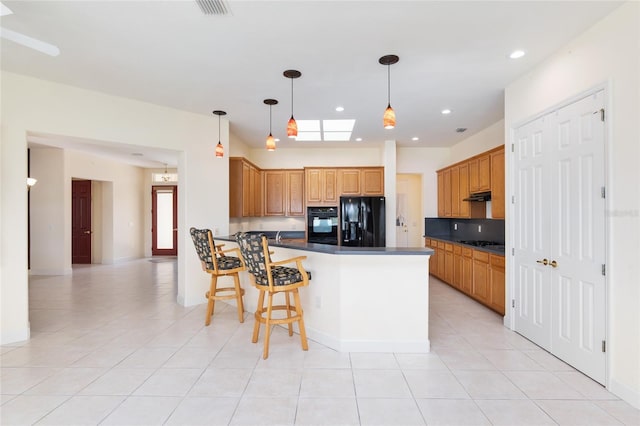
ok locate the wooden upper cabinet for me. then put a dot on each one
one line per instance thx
(497, 184)
(284, 192)
(441, 193)
(480, 174)
(349, 182)
(245, 189)
(464, 208)
(372, 181)
(447, 192)
(321, 186)
(456, 201)
(274, 192)
(294, 193)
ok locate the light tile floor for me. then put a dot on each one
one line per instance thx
(110, 346)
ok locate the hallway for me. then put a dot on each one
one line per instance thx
(110, 346)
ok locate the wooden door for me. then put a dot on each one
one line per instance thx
(164, 218)
(274, 193)
(81, 221)
(295, 193)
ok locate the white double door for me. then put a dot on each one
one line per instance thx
(559, 233)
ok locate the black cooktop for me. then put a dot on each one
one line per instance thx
(480, 243)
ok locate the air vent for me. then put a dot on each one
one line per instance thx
(461, 129)
(213, 7)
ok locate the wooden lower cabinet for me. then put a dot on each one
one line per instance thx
(479, 274)
(480, 285)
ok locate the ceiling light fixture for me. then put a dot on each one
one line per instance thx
(389, 118)
(165, 176)
(292, 127)
(516, 54)
(271, 143)
(339, 108)
(415, 138)
(445, 111)
(219, 147)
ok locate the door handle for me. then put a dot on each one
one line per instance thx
(553, 264)
(87, 232)
(545, 262)
(175, 229)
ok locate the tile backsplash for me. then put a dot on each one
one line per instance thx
(465, 229)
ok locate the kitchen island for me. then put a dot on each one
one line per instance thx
(359, 299)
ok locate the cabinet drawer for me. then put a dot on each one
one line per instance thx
(457, 249)
(448, 247)
(497, 261)
(481, 256)
(467, 252)
(440, 245)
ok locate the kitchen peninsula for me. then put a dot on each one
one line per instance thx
(359, 299)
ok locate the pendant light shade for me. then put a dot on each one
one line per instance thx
(292, 126)
(219, 147)
(389, 117)
(271, 143)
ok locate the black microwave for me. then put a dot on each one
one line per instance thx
(322, 225)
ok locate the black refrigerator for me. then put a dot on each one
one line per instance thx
(362, 221)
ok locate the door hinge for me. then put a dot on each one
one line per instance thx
(513, 147)
(513, 199)
(513, 303)
(604, 346)
(604, 269)
(603, 192)
(601, 114)
(513, 251)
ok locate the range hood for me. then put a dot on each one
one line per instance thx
(479, 196)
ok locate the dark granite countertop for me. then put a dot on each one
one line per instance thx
(339, 250)
(494, 249)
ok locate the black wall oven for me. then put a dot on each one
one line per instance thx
(322, 225)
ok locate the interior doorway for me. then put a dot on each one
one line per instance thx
(164, 228)
(81, 221)
(409, 216)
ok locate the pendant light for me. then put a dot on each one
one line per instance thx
(271, 143)
(389, 117)
(165, 176)
(219, 147)
(292, 126)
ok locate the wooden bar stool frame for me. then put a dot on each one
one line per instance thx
(220, 265)
(263, 314)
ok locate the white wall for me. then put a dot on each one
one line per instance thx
(478, 143)
(605, 54)
(38, 106)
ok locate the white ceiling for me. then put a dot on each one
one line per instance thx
(453, 54)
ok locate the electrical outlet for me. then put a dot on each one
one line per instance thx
(455, 226)
(479, 228)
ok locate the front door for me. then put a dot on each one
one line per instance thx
(559, 237)
(81, 221)
(164, 230)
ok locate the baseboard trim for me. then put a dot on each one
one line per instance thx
(14, 336)
(632, 396)
(378, 346)
(65, 271)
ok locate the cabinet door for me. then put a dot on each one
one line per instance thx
(474, 184)
(372, 181)
(247, 199)
(480, 288)
(330, 177)
(448, 263)
(235, 188)
(484, 173)
(440, 194)
(313, 186)
(447, 192)
(463, 190)
(466, 283)
(441, 261)
(256, 192)
(497, 283)
(349, 182)
(497, 184)
(455, 192)
(294, 193)
(274, 192)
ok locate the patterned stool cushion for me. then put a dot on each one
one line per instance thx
(281, 276)
(228, 262)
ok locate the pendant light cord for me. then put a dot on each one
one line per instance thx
(389, 84)
(291, 96)
(269, 119)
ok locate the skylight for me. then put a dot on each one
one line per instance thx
(324, 130)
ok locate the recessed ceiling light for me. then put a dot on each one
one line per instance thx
(358, 139)
(461, 129)
(516, 54)
(339, 108)
(415, 138)
(277, 139)
(446, 111)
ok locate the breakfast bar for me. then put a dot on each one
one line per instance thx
(359, 299)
